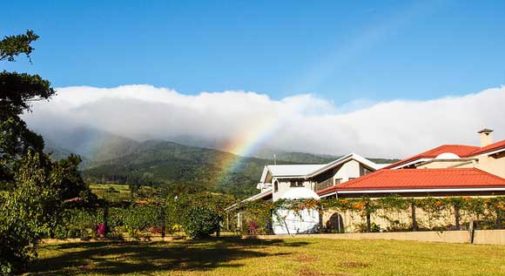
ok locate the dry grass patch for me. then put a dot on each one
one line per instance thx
(304, 258)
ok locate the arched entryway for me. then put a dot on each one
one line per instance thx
(335, 223)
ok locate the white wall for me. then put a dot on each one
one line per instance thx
(492, 165)
(348, 170)
(285, 185)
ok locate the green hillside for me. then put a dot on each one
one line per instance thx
(180, 166)
(109, 158)
(294, 157)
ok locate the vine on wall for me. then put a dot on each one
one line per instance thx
(448, 213)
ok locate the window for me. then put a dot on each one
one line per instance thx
(338, 181)
(363, 170)
(294, 183)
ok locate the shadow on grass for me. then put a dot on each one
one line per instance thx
(138, 257)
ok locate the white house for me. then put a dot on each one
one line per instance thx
(278, 179)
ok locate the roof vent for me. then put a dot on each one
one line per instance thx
(447, 155)
(486, 137)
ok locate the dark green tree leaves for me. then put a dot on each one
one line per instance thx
(17, 90)
(14, 45)
(33, 189)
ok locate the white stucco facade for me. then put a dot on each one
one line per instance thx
(282, 178)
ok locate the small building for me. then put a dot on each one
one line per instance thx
(278, 179)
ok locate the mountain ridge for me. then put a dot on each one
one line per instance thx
(109, 158)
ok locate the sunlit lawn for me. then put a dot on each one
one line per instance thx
(232, 256)
(112, 192)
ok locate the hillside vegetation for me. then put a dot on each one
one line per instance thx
(109, 158)
(172, 164)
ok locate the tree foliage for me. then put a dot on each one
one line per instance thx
(33, 189)
(200, 222)
(16, 92)
(14, 45)
(200, 214)
(27, 211)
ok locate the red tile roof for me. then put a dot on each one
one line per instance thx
(495, 146)
(420, 179)
(460, 150)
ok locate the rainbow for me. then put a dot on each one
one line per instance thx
(246, 142)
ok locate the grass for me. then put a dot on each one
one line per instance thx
(112, 192)
(233, 256)
(118, 192)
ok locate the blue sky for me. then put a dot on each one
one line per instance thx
(372, 50)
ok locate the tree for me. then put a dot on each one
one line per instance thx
(16, 92)
(33, 188)
(27, 211)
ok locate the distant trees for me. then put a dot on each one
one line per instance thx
(33, 189)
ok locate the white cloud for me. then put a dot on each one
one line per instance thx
(298, 123)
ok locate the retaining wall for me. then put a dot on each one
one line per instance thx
(480, 236)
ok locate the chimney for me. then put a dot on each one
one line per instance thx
(486, 137)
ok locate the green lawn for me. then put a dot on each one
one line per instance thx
(232, 256)
(111, 192)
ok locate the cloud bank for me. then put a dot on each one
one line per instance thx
(298, 123)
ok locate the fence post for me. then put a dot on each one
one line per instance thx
(163, 224)
(321, 225)
(456, 216)
(239, 221)
(106, 218)
(368, 222)
(471, 229)
(228, 221)
(413, 213)
(498, 221)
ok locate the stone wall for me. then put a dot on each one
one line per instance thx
(387, 221)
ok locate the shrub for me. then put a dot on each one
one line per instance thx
(140, 218)
(200, 222)
(78, 223)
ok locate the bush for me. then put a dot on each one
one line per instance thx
(77, 223)
(140, 218)
(200, 222)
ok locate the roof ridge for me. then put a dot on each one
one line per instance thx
(428, 153)
(465, 145)
(487, 148)
(493, 175)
